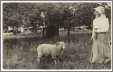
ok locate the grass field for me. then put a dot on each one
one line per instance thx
(21, 53)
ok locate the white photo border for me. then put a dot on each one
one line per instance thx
(2, 69)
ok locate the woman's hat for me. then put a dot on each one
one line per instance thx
(100, 9)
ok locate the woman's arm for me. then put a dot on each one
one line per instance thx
(93, 34)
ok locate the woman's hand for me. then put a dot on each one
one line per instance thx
(93, 35)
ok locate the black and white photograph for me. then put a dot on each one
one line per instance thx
(56, 35)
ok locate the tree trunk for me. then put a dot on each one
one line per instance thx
(68, 34)
(52, 31)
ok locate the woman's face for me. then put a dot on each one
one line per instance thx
(97, 14)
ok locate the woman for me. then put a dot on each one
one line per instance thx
(101, 51)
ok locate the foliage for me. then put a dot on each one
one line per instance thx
(58, 14)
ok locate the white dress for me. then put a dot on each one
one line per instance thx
(101, 51)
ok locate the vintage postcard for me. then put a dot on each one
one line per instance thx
(56, 35)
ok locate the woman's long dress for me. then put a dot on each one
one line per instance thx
(101, 50)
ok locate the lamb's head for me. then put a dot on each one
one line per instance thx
(61, 45)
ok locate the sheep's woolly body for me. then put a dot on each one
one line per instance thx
(47, 49)
(50, 49)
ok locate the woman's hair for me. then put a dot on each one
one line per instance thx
(100, 9)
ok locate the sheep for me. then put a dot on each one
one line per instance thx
(53, 50)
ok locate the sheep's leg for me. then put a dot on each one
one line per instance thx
(59, 59)
(39, 57)
(54, 59)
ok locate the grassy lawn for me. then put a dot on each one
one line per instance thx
(20, 53)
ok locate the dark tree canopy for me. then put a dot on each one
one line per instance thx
(58, 14)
